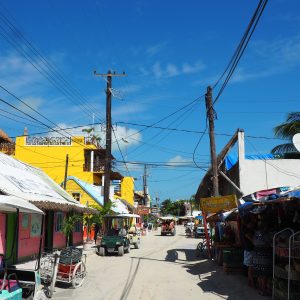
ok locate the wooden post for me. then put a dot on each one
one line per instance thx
(213, 155)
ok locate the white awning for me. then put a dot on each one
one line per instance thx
(11, 204)
(130, 215)
(118, 207)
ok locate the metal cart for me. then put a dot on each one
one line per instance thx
(68, 266)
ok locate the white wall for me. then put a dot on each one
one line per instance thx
(257, 175)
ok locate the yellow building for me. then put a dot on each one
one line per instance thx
(85, 162)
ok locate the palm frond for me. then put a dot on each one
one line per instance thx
(287, 130)
(293, 117)
(284, 148)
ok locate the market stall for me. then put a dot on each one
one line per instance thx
(271, 233)
(225, 240)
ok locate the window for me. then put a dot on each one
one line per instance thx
(25, 221)
(59, 221)
(78, 226)
(76, 196)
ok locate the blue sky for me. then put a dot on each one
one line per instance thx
(170, 51)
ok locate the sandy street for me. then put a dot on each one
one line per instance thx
(165, 267)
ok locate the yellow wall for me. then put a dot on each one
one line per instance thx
(52, 159)
(127, 189)
(73, 187)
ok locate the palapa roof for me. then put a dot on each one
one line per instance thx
(4, 137)
(33, 185)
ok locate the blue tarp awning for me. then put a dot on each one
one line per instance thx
(232, 159)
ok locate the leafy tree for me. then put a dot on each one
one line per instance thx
(287, 130)
(166, 207)
(101, 212)
(175, 208)
(69, 225)
(195, 204)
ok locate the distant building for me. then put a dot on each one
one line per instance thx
(21, 181)
(244, 175)
(86, 162)
(140, 199)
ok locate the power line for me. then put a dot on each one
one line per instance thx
(58, 130)
(195, 131)
(159, 164)
(189, 110)
(241, 47)
(14, 107)
(166, 117)
(18, 121)
(290, 174)
(44, 67)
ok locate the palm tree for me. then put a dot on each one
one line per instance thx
(287, 130)
(94, 139)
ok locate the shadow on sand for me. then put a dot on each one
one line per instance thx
(212, 278)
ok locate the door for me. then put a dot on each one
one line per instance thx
(49, 223)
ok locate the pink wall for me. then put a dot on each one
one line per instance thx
(59, 239)
(2, 233)
(29, 241)
(77, 238)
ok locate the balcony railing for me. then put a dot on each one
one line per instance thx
(48, 141)
(96, 168)
(7, 148)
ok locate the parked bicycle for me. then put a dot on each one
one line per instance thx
(202, 249)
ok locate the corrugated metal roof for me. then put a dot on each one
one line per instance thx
(95, 193)
(30, 183)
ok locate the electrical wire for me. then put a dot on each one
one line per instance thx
(186, 112)
(165, 118)
(47, 67)
(242, 47)
(195, 131)
(290, 174)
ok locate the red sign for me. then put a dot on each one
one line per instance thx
(143, 210)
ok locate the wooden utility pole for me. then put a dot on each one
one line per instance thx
(107, 166)
(211, 117)
(66, 171)
(145, 186)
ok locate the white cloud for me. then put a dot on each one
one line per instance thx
(17, 74)
(188, 68)
(126, 137)
(172, 70)
(153, 50)
(34, 102)
(178, 160)
(271, 58)
(133, 88)
(127, 110)
(157, 71)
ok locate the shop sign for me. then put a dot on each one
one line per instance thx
(216, 204)
(143, 210)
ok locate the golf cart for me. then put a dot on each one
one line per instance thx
(134, 232)
(115, 235)
(168, 226)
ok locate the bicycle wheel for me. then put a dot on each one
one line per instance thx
(79, 274)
